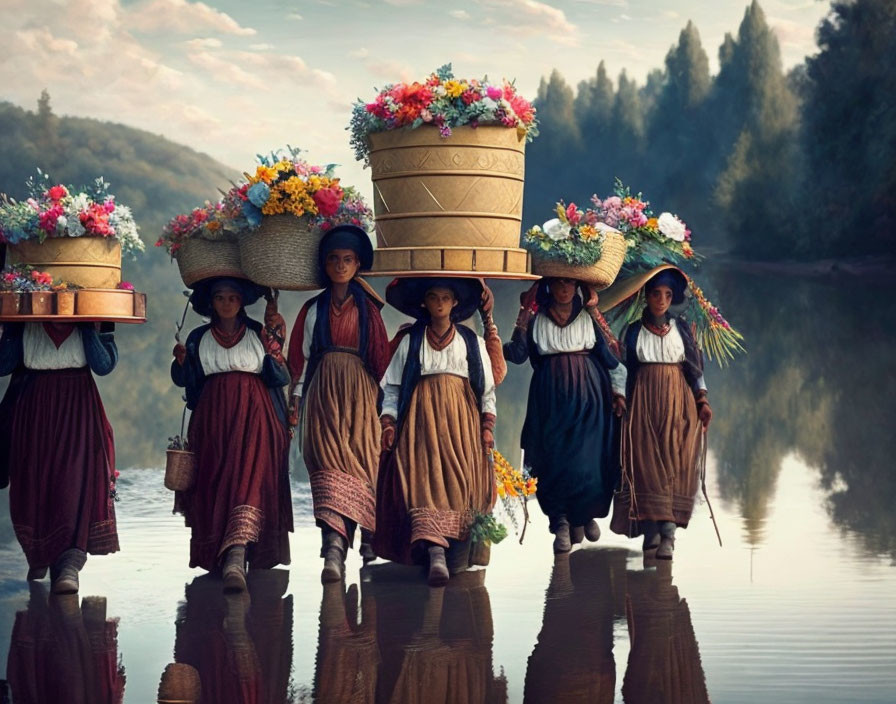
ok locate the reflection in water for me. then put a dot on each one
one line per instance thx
(413, 643)
(664, 662)
(818, 381)
(573, 659)
(241, 644)
(63, 651)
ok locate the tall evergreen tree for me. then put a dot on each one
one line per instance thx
(627, 125)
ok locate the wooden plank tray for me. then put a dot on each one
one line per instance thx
(70, 319)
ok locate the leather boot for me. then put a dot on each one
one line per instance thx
(592, 531)
(64, 572)
(576, 534)
(438, 567)
(667, 541)
(651, 536)
(334, 557)
(562, 540)
(233, 569)
(36, 573)
(366, 550)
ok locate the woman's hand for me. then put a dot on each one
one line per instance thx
(180, 353)
(527, 298)
(589, 295)
(704, 412)
(387, 441)
(488, 440)
(294, 403)
(619, 405)
(273, 335)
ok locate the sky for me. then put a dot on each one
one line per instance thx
(233, 78)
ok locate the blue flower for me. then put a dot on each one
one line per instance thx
(259, 193)
(252, 213)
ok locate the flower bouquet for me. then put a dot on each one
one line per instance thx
(285, 208)
(86, 229)
(576, 245)
(201, 242)
(654, 242)
(447, 162)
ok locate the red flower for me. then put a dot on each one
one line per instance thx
(57, 193)
(327, 200)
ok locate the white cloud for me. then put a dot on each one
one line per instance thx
(359, 53)
(532, 18)
(390, 70)
(183, 17)
(294, 16)
(793, 34)
(262, 47)
(203, 43)
(403, 3)
(460, 14)
(40, 39)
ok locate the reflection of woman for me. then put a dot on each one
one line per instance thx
(438, 421)
(581, 600)
(435, 644)
(668, 410)
(240, 643)
(65, 652)
(337, 353)
(60, 494)
(664, 661)
(569, 436)
(239, 507)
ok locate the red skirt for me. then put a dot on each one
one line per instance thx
(241, 495)
(61, 466)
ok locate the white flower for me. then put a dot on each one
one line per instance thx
(556, 230)
(671, 227)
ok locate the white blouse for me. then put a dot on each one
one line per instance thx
(665, 349)
(247, 355)
(41, 352)
(578, 335)
(450, 360)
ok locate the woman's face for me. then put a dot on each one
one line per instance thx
(227, 303)
(563, 290)
(659, 299)
(341, 265)
(439, 301)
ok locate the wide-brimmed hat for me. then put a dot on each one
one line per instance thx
(345, 237)
(204, 291)
(623, 289)
(407, 293)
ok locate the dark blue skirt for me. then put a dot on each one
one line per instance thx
(570, 438)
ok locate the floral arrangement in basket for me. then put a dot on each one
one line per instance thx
(575, 236)
(22, 278)
(62, 211)
(207, 222)
(444, 101)
(665, 239)
(285, 183)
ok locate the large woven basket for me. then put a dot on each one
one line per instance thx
(180, 684)
(282, 254)
(600, 274)
(456, 201)
(199, 258)
(91, 262)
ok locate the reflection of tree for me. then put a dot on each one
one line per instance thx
(573, 659)
(241, 644)
(435, 644)
(65, 652)
(817, 381)
(664, 661)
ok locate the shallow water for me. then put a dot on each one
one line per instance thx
(797, 606)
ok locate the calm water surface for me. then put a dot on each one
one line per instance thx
(798, 606)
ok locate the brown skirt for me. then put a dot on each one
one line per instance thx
(660, 448)
(341, 440)
(437, 477)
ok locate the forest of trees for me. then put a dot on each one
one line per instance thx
(759, 162)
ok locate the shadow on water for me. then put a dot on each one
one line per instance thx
(64, 649)
(818, 382)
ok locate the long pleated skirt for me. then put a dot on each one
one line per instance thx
(341, 443)
(662, 441)
(62, 464)
(241, 495)
(437, 478)
(570, 438)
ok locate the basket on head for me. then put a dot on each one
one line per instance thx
(199, 258)
(601, 274)
(282, 253)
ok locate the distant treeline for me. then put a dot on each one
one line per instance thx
(765, 164)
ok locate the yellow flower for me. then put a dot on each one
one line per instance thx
(587, 232)
(265, 174)
(652, 224)
(453, 89)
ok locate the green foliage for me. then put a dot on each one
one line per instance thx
(486, 529)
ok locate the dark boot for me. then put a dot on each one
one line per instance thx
(366, 550)
(36, 573)
(592, 531)
(334, 557)
(667, 541)
(233, 569)
(576, 534)
(64, 571)
(438, 567)
(651, 536)
(562, 540)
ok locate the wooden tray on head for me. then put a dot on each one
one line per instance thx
(70, 319)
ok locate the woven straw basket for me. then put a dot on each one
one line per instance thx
(180, 684)
(180, 470)
(91, 262)
(282, 254)
(199, 258)
(600, 274)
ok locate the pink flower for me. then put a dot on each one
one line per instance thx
(109, 205)
(572, 215)
(125, 286)
(494, 92)
(613, 202)
(42, 278)
(327, 200)
(426, 115)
